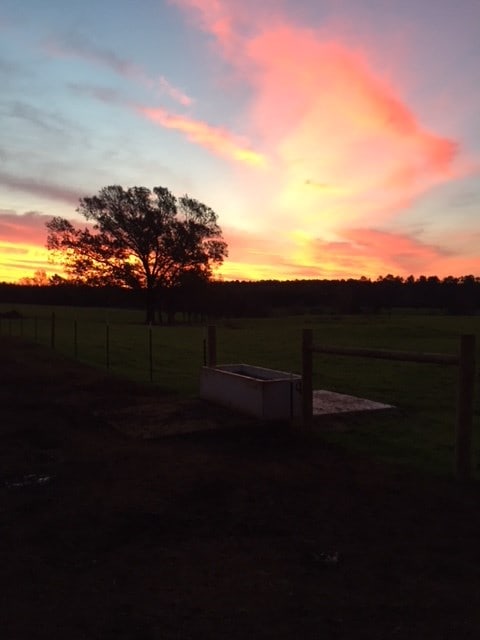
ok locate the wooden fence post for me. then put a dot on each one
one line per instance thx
(211, 345)
(307, 379)
(466, 384)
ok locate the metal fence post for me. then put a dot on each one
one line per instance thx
(307, 379)
(52, 331)
(107, 345)
(466, 384)
(150, 351)
(75, 339)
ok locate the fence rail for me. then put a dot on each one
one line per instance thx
(384, 354)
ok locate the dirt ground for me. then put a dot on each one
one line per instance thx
(239, 532)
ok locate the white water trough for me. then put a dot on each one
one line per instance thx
(273, 395)
(262, 393)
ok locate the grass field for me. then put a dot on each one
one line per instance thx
(420, 433)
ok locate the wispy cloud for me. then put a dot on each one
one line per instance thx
(215, 139)
(229, 21)
(40, 188)
(106, 95)
(11, 250)
(49, 121)
(22, 261)
(82, 48)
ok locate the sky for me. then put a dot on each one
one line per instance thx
(333, 138)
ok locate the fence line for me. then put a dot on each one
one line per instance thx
(53, 330)
(107, 346)
(75, 339)
(50, 331)
(465, 361)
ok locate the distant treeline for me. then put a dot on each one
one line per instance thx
(198, 300)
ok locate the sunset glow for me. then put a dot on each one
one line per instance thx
(333, 142)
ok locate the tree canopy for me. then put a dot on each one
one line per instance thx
(140, 238)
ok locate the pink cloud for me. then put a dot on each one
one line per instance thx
(399, 253)
(251, 246)
(326, 116)
(340, 124)
(226, 20)
(372, 252)
(27, 228)
(356, 253)
(215, 139)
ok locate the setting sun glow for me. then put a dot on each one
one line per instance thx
(333, 141)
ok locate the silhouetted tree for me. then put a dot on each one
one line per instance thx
(139, 239)
(39, 279)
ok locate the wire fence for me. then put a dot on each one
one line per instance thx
(171, 358)
(155, 354)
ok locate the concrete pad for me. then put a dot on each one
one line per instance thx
(330, 402)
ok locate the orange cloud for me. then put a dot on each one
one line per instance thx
(352, 254)
(253, 256)
(22, 245)
(370, 252)
(213, 138)
(21, 260)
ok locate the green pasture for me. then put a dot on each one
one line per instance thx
(419, 433)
